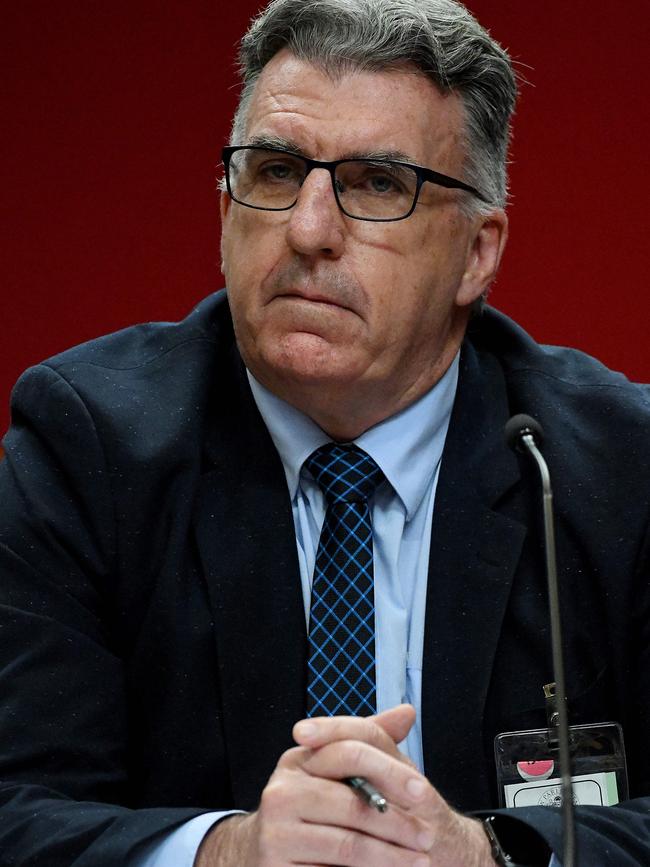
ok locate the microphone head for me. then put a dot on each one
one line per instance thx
(520, 425)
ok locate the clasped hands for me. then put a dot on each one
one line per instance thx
(307, 816)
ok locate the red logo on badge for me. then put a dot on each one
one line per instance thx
(535, 771)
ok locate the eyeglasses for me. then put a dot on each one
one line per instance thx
(269, 179)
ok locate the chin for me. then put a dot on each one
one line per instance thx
(307, 359)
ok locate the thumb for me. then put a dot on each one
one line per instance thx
(397, 721)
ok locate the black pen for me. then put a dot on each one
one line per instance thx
(367, 791)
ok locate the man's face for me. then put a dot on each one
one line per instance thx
(328, 308)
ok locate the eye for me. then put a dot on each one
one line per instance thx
(277, 170)
(382, 183)
(280, 171)
(378, 179)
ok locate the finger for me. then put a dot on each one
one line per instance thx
(397, 722)
(399, 782)
(330, 845)
(384, 731)
(294, 757)
(326, 802)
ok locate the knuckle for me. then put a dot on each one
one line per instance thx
(377, 735)
(348, 848)
(275, 797)
(292, 757)
(353, 752)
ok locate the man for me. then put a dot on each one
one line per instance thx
(164, 506)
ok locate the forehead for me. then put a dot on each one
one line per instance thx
(356, 112)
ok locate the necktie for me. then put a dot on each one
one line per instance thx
(341, 666)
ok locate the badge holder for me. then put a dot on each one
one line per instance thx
(528, 772)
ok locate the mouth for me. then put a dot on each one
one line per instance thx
(313, 298)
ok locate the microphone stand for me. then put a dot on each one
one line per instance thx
(527, 439)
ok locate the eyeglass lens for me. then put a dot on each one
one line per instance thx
(367, 189)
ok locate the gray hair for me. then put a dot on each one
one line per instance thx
(439, 37)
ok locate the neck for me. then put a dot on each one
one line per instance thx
(345, 410)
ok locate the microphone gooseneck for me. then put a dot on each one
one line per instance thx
(524, 434)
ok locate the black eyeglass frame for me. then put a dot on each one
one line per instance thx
(422, 173)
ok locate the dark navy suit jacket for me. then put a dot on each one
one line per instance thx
(152, 633)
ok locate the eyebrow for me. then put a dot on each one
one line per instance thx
(269, 141)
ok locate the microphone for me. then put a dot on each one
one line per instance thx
(520, 426)
(524, 434)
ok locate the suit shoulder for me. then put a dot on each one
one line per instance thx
(157, 376)
(144, 391)
(137, 346)
(555, 376)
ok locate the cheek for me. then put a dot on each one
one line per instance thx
(420, 299)
(249, 255)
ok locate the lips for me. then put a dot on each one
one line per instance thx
(320, 284)
(315, 298)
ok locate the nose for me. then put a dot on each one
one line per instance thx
(316, 224)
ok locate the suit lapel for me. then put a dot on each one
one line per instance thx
(246, 540)
(474, 553)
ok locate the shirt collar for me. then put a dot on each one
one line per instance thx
(407, 446)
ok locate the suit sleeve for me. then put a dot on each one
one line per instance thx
(64, 794)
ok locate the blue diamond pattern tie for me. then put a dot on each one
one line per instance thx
(341, 676)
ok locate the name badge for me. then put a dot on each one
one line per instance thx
(528, 772)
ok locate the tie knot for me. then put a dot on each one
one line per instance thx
(344, 472)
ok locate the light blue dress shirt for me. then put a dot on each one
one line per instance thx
(408, 448)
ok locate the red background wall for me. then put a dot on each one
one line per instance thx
(114, 115)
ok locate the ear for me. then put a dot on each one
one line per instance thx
(487, 242)
(224, 209)
(224, 205)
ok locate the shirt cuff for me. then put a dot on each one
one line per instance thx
(179, 847)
